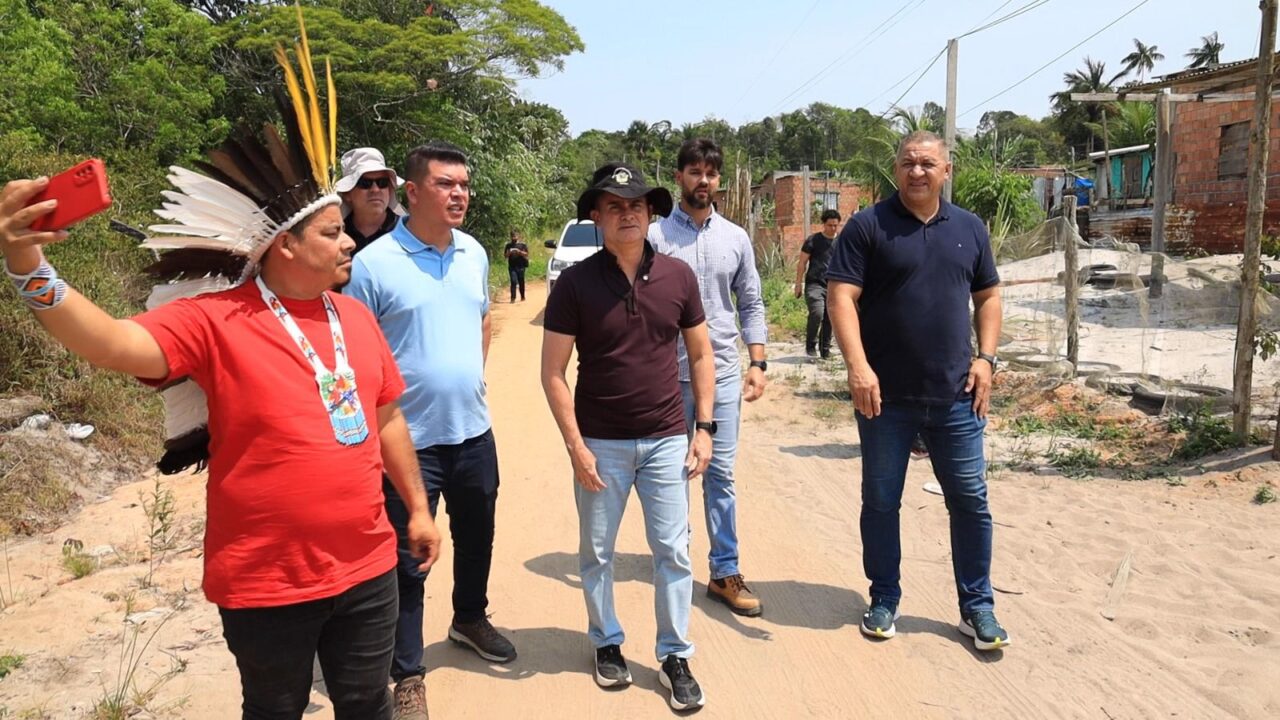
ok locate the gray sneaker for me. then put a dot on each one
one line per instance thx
(411, 699)
(482, 637)
(877, 621)
(686, 694)
(985, 630)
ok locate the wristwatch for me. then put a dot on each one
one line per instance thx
(991, 359)
(762, 364)
(710, 427)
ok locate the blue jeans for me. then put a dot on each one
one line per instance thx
(466, 475)
(954, 436)
(719, 498)
(655, 467)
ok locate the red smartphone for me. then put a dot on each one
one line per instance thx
(81, 192)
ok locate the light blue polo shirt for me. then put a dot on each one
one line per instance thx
(431, 307)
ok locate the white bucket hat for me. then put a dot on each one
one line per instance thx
(357, 162)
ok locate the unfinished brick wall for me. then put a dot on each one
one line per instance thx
(1209, 212)
(789, 197)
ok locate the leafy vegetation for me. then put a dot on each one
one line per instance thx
(10, 662)
(1265, 495)
(1206, 434)
(1076, 462)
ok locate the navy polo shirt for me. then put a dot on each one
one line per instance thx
(916, 281)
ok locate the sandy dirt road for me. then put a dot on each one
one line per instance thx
(1195, 634)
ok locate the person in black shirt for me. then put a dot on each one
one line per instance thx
(517, 254)
(811, 284)
(370, 208)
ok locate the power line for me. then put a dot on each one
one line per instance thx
(1016, 13)
(870, 38)
(898, 84)
(980, 27)
(1073, 48)
(913, 85)
(776, 53)
(991, 14)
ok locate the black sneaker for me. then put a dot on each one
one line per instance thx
(611, 668)
(484, 639)
(811, 352)
(685, 692)
(985, 630)
(877, 621)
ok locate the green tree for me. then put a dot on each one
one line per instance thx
(1073, 118)
(1208, 54)
(1130, 124)
(1143, 59)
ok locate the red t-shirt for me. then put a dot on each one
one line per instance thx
(293, 514)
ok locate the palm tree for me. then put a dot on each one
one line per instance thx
(1208, 54)
(1143, 59)
(1090, 79)
(1132, 123)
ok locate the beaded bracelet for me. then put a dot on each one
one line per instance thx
(41, 289)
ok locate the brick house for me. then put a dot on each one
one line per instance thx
(786, 188)
(1211, 150)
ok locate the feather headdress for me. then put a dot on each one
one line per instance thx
(222, 219)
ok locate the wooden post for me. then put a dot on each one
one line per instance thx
(949, 132)
(806, 212)
(1161, 192)
(1071, 280)
(1259, 154)
(1106, 161)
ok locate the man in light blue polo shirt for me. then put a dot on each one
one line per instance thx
(427, 283)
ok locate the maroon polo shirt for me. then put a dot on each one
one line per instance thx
(628, 379)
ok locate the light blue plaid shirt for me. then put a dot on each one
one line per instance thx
(722, 258)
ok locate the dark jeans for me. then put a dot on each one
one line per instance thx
(817, 333)
(954, 436)
(466, 475)
(352, 633)
(516, 276)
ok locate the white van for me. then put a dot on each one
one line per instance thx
(578, 241)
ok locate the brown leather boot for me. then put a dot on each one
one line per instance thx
(733, 591)
(411, 699)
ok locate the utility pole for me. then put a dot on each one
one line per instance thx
(806, 212)
(1163, 189)
(953, 60)
(1259, 154)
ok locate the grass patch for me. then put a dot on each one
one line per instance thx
(34, 494)
(106, 267)
(1076, 462)
(787, 314)
(1206, 434)
(77, 562)
(9, 663)
(1265, 495)
(1080, 425)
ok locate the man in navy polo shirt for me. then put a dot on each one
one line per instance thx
(901, 277)
(427, 282)
(625, 426)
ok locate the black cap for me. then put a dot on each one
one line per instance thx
(624, 181)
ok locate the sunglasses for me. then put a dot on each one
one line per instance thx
(366, 183)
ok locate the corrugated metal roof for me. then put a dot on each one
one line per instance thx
(1189, 75)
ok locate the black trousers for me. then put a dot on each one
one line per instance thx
(353, 634)
(466, 475)
(818, 328)
(517, 278)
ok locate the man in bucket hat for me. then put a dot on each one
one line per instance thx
(370, 207)
(625, 427)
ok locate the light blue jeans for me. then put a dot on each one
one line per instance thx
(719, 498)
(655, 468)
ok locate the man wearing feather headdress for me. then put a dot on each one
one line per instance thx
(288, 391)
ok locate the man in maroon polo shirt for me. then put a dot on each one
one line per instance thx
(623, 308)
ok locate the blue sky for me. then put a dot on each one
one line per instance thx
(743, 60)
